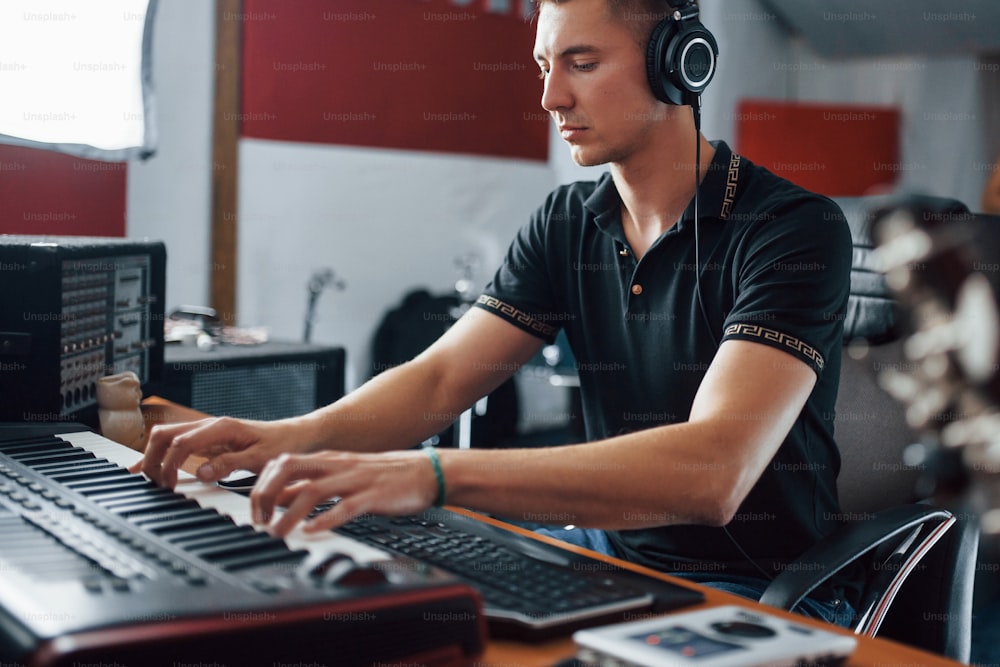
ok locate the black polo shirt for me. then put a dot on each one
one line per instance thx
(774, 262)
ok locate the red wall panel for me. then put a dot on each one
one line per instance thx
(833, 149)
(432, 75)
(45, 192)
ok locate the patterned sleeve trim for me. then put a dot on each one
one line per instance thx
(517, 316)
(782, 339)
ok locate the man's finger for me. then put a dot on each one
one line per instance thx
(160, 439)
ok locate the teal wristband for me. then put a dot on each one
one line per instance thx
(438, 474)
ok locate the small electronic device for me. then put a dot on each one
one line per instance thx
(76, 309)
(239, 481)
(727, 636)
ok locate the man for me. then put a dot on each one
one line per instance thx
(708, 354)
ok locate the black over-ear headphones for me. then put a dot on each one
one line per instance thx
(681, 56)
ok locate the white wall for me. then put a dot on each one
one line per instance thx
(753, 62)
(169, 195)
(384, 221)
(942, 143)
(388, 221)
(939, 99)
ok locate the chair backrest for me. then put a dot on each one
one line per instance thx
(871, 428)
(872, 433)
(933, 608)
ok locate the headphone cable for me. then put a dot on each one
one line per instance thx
(696, 108)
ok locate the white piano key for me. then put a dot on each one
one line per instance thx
(231, 504)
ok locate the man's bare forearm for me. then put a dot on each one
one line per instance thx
(656, 477)
(398, 408)
(407, 404)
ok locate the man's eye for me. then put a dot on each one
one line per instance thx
(585, 67)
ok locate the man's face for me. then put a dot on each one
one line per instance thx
(595, 84)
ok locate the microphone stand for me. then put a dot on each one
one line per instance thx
(317, 282)
(464, 288)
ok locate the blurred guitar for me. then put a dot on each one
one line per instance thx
(945, 273)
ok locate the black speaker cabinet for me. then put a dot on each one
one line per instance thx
(268, 381)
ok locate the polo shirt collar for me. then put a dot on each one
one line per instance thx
(604, 203)
(719, 190)
(721, 186)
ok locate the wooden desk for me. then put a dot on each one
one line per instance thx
(505, 653)
(871, 652)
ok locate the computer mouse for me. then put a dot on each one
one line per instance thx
(339, 569)
(239, 481)
(358, 576)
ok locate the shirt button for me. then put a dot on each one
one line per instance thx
(637, 289)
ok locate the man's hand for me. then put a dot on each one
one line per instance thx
(391, 483)
(227, 444)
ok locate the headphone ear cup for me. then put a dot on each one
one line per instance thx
(657, 67)
(680, 61)
(693, 59)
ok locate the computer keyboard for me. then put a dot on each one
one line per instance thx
(530, 589)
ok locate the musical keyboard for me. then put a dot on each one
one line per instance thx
(100, 565)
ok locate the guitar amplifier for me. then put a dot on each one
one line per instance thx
(267, 381)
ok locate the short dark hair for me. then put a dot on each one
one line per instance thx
(640, 16)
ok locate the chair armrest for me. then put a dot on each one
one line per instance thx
(842, 547)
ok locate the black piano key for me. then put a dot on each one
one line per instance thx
(168, 504)
(44, 443)
(128, 485)
(49, 469)
(278, 553)
(235, 547)
(42, 458)
(56, 473)
(102, 470)
(131, 495)
(111, 476)
(31, 459)
(181, 523)
(219, 536)
(203, 533)
(143, 519)
(183, 537)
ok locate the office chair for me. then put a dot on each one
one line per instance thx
(916, 561)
